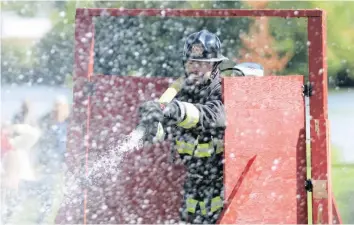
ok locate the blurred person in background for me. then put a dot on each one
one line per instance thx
(43, 196)
(18, 140)
(9, 181)
(24, 116)
(50, 158)
(16, 165)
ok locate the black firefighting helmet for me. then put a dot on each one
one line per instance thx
(203, 46)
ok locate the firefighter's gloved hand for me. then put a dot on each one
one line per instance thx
(150, 118)
(150, 111)
(172, 112)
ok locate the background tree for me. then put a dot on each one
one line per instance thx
(258, 44)
(340, 38)
(290, 38)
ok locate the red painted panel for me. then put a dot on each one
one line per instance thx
(146, 187)
(266, 118)
(243, 187)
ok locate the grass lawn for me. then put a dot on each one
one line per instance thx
(342, 186)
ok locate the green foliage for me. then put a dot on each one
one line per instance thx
(340, 36)
(54, 55)
(290, 36)
(153, 46)
(22, 8)
(342, 184)
(340, 39)
(15, 60)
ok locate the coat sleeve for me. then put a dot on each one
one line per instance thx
(212, 113)
(209, 115)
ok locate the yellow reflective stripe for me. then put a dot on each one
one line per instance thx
(219, 145)
(202, 154)
(185, 144)
(191, 205)
(204, 150)
(185, 151)
(160, 132)
(203, 208)
(184, 147)
(204, 146)
(192, 116)
(219, 150)
(216, 203)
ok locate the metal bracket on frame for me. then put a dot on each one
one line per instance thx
(307, 89)
(320, 190)
(309, 185)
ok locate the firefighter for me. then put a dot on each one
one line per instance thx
(195, 123)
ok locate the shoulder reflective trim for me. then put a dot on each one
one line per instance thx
(168, 95)
(172, 91)
(216, 204)
(160, 134)
(192, 116)
(191, 205)
(203, 208)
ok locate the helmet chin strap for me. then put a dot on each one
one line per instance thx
(216, 71)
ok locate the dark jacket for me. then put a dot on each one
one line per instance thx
(51, 147)
(210, 129)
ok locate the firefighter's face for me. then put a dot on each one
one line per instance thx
(198, 70)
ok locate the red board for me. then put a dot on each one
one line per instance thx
(266, 120)
(146, 188)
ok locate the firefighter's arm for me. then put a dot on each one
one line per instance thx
(208, 115)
